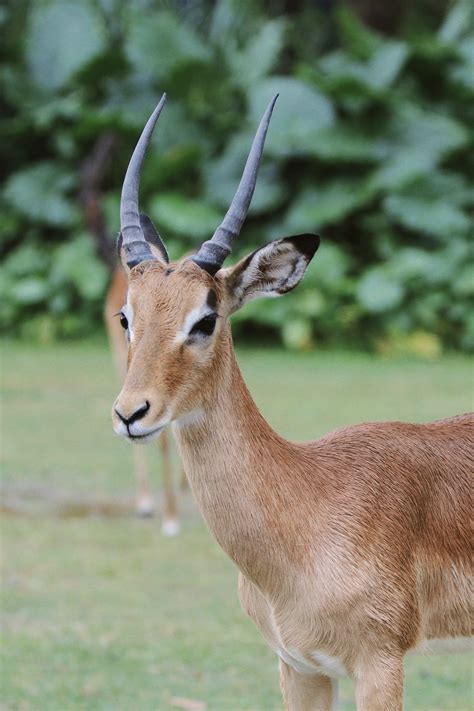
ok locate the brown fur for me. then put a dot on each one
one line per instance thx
(353, 547)
(115, 299)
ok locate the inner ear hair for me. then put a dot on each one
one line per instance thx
(271, 270)
(153, 238)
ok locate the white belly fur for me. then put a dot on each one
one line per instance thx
(322, 663)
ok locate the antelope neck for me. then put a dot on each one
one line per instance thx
(233, 460)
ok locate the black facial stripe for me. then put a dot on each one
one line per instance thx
(211, 300)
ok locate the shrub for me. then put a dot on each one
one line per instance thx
(369, 145)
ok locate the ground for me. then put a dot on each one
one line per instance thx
(100, 611)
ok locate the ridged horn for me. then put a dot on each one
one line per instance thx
(214, 251)
(133, 239)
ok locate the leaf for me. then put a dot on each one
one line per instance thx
(386, 64)
(25, 260)
(39, 193)
(346, 143)
(349, 79)
(76, 262)
(310, 302)
(346, 77)
(269, 312)
(438, 218)
(252, 62)
(462, 74)
(457, 21)
(356, 36)
(331, 266)
(157, 43)
(415, 266)
(429, 48)
(299, 114)
(190, 218)
(29, 291)
(377, 291)
(62, 37)
(343, 71)
(297, 334)
(402, 168)
(442, 185)
(410, 263)
(327, 204)
(464, 281)
(416, 142)
(427, 132)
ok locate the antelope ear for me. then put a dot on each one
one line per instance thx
(153, 239)
(271, 270)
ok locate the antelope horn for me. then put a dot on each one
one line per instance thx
(133, 239)
(214, 251)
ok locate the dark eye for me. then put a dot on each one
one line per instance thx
(123, 321)
(205, 326)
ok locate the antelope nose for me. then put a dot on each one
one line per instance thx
(139, 413)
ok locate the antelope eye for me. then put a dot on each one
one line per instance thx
(205, 326)
(123, 321)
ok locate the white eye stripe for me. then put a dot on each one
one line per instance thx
(128, 311)
(191, 320)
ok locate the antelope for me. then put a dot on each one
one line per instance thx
(145, 504)
(353, 548)
(92, 174)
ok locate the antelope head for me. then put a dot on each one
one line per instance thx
(177, 314)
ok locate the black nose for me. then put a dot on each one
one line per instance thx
(137, 415)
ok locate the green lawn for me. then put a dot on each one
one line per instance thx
(102, 612)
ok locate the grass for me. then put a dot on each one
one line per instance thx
(103, 613)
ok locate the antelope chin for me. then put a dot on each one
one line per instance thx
(145, 437)
(138, 436)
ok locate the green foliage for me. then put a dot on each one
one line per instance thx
(184, 216)
(52, 292)
(370, 144)
(38, 193)
(62, 37)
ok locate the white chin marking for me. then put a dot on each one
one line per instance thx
(144, 439)
(120, 430)
(170, 527)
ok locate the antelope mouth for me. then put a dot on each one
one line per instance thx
(146, 436)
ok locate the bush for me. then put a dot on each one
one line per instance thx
(370, 145)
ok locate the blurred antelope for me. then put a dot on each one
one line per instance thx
(92, 174)
(353, 549)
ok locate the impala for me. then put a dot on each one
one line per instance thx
(145, 504)
(353, 548)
